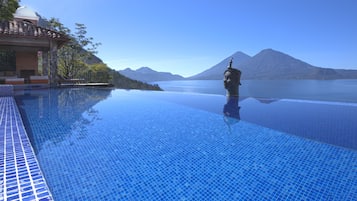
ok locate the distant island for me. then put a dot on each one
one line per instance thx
(267, 64)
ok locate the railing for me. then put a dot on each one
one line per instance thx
(26, 29)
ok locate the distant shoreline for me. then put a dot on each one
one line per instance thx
(340, 90)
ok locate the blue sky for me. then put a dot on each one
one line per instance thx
(188, 36)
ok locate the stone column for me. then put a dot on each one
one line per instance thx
(53, 63)
(45, 62)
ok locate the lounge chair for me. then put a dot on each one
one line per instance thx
(14, 80)
(39, 79)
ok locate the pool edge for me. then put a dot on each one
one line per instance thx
(21, 175)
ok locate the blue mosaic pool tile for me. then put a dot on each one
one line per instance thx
(152, 150)
(20, 175)
(185, 154)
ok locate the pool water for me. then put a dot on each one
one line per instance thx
(98, 144)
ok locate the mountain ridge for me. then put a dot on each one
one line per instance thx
(146, 74)
(273, 64)
(268, 64)
(211, 73)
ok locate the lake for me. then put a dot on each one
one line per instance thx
(323, 90)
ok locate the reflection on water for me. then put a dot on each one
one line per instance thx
(61, 113)
(231, 111)
(326, 90)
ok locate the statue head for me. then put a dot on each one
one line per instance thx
(232, 80)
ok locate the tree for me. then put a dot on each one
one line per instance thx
(74, 60)
(8, 8)
(73, 56)
(84, 42)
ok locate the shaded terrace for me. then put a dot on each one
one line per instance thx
(28, 52)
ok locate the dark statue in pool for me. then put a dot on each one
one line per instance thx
(232, 80)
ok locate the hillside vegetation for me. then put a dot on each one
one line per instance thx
(76, 59)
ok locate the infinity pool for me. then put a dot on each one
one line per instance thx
(98, 144)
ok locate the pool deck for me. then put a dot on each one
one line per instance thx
(20, 174)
